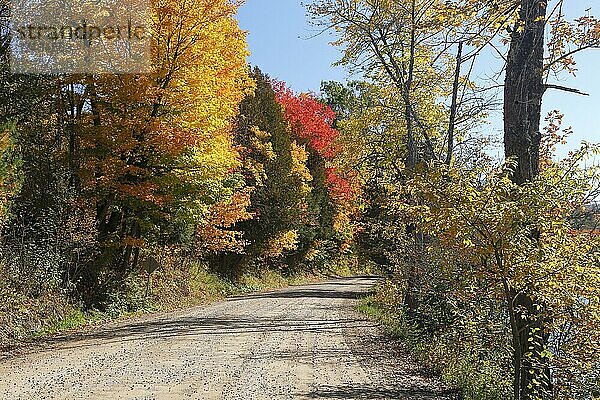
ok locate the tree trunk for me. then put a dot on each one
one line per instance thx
(412, 156)
(532, 379)
(524, 89)
(523, 92)
(454, 105)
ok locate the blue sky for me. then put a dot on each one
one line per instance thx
(284, 45)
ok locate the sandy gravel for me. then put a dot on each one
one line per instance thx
(305, 342)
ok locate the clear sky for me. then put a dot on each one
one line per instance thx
(284, 45)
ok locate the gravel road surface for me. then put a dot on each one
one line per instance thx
(304, 342)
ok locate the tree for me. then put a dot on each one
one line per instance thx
(333, 186)
(487, 223)
(147, 155)
(524, 88)
(523, 91)
(405, 47)
(274, 167)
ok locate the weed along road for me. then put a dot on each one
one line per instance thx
(305, 342)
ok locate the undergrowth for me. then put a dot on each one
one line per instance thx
(24, 318)
(449, 355)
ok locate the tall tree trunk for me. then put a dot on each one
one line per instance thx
(410, 300)
(524, 89)
(523, 92)
(454, 105)
(412, 156)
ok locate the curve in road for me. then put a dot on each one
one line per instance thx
(304, 342)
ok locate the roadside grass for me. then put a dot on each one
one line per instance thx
(24, 319)
(457, 364)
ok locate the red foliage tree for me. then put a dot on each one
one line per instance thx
(311, 122)
(309, 119)
(340, 188)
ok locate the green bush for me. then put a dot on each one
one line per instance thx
(463, 357)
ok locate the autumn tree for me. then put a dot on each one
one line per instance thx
(144, 157)
(523, 91)
(274, 167)
(333, 187)
(36, 228)
(420, 56)
(490, 226)
(524, 87)
(419, 100)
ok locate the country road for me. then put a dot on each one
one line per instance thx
(304, 342)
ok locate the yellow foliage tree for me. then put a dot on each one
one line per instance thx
(156, 150)
(483, 222)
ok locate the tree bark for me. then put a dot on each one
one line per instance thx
(412, 156)
(454, 105)
(524, 89)
(523, 92)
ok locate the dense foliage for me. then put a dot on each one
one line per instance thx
(112, 182)
(118, 190)
(492, 276)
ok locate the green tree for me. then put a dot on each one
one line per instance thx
(275, 167)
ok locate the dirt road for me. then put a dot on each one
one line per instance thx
(304, 342)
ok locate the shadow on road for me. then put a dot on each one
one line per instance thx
(330, 290)
(302, 293)
(379, 393)
(229, 322)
